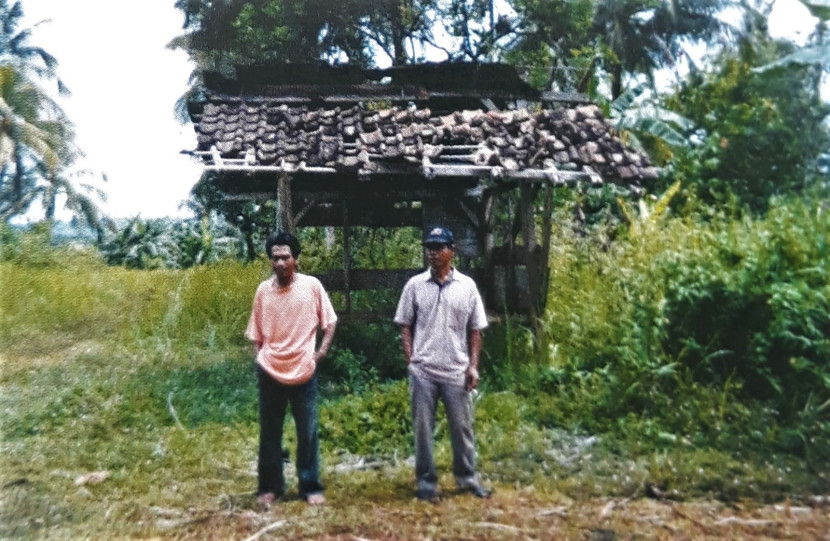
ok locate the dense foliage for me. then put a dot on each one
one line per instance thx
(759, 134)
(715, 333)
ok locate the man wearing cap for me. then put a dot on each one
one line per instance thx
(288, 310)
(441, 317)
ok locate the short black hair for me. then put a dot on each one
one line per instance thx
(283, 239)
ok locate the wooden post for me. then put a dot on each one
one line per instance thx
(531, 254)
(347, 257)
(510, 277)
(486, 233)
(285, 214)
(547, 210)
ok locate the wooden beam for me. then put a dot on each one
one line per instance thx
(335, 196)
(474, 219)
(486, 232)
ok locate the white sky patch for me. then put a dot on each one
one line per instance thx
(124, 84)
(790, 19)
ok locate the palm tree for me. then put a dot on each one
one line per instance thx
(36, 138)
(31, 60)
(29, 145)
(642, 36)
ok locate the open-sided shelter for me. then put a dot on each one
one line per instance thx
(421, 145)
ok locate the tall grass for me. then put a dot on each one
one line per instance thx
(146, 375)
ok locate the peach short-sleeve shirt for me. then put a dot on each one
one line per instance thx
(285, 322)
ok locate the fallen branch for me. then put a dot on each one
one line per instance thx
(818, 501)
(265, 530)
(497, 526)
(609, 507)
(560, 511)
(92, 478)
(360, 465)
(791, 511)
(729, 521)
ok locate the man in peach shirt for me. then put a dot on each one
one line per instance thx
(288, 310)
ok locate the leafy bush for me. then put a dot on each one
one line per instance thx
(376, 422)
(714, 331)
(346, 372)
(757, 306)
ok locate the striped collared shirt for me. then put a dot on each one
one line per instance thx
(441, 316)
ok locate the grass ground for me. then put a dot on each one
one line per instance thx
(128, 411)
(103, 442)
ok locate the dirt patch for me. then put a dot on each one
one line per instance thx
(512, 515)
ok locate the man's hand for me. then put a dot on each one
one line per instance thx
(475, 355)
(472, 378)
(406, 342)
(328, 336)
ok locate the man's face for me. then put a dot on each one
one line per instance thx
(282, 262)
(439, 256)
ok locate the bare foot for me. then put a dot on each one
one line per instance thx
(315, 499)
(266, 499)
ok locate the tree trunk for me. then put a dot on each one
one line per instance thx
(49, 203)
(398, 52)
(616, 80)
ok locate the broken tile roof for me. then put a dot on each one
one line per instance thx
(418, 120)
(264, 132)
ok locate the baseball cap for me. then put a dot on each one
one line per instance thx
(439, 235)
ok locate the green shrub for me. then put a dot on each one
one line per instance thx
(711, 330)
(758, 308)
(376, 422)
(344, 372)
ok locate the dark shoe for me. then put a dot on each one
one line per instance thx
(427, 495)
(480, 492)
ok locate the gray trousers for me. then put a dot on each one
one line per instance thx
(458, 404)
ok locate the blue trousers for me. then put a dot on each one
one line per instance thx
(274, 398)
(458, 404)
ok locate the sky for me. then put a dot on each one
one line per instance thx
(125, 82)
